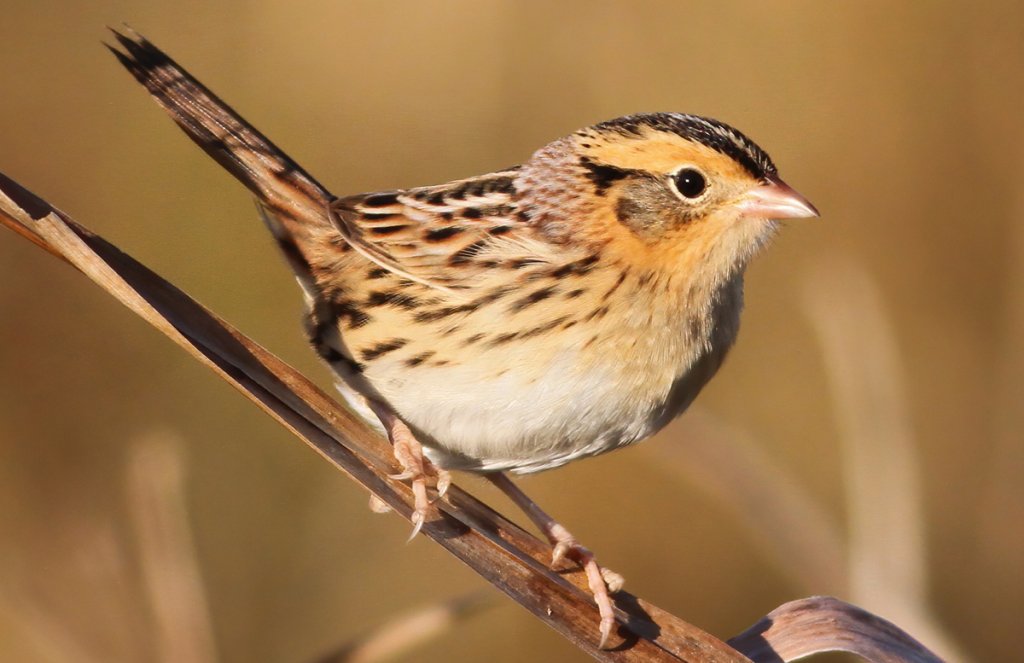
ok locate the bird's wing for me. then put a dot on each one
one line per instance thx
(444, 236)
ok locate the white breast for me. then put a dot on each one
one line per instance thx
(512, 422)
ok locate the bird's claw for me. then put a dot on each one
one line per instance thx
(418, 517)
(602, 582)
(607, 624)
(444, 481)
(415, 468)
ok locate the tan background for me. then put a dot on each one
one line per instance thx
(892, 326)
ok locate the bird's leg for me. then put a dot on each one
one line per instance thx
(415, 467)
(602, 581)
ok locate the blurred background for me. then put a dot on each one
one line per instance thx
(863, 440)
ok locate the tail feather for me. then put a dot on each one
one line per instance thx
(294, 202)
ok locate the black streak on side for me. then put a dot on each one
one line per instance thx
(618, 282)
(546, 327)
(472, 339)
(380, 349)
(346, 311)
(531, 299)
(576, 268)
(392, 298)
(438, 314)
(320, 325)
(503, 338)
(412, 362)
(597, 314)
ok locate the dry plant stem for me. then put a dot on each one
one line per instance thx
(783, 520)
(405, 632)
(173, 583)
(47, 637)
(505, 555)
(887, 555)
(882, 470)
(566, 546)
(821, 623)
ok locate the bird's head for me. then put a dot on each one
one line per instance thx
(662, 187)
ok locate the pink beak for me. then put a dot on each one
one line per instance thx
(776, 200)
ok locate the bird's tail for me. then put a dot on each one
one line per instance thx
(294, 205)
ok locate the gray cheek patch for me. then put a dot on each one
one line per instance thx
(649, 209)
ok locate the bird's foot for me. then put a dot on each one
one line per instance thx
(601, 581)
(415, 468)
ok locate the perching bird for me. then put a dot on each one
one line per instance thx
(525, 318)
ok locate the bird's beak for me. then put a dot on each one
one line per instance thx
(776, 200)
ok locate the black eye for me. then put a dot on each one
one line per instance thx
(690, 182)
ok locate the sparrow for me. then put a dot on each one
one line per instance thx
(523, 319)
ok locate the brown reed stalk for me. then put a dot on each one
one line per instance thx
(166, 553)
(407, 631)
(778, 514)
(887, 552)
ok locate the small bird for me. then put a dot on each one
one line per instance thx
(522, 319)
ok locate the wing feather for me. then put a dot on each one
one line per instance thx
(438, 235)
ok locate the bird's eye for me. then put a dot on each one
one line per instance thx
(690, 182)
